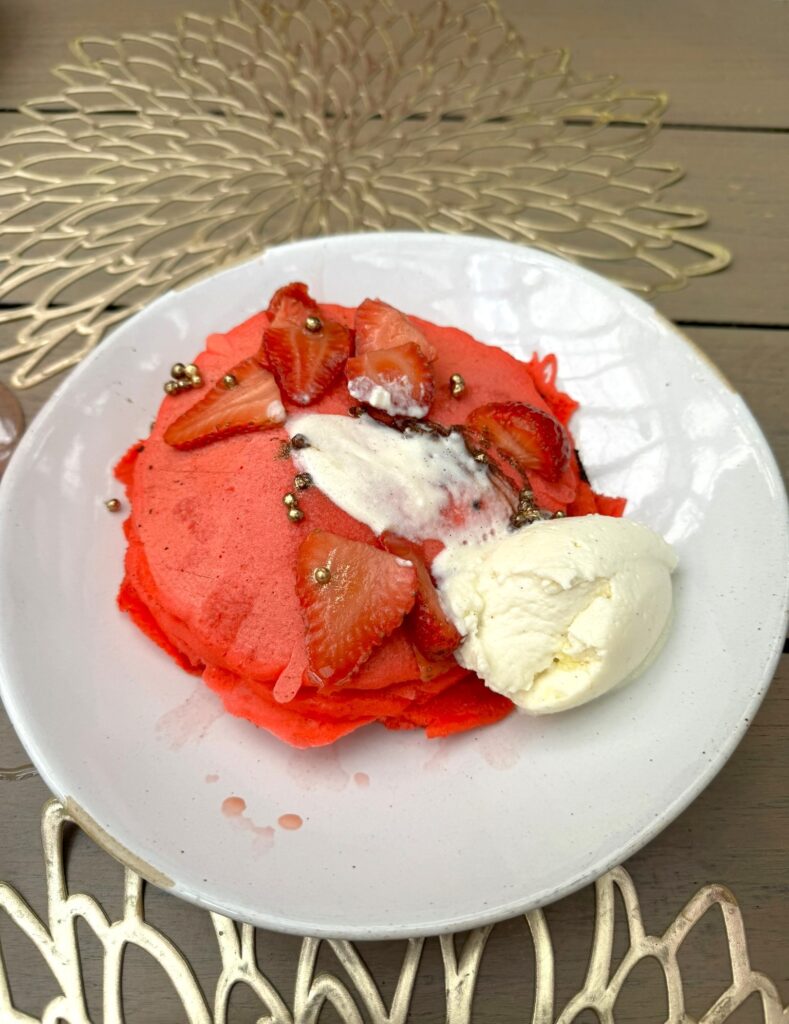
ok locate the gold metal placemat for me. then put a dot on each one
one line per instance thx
(166, 156)
(350, 988)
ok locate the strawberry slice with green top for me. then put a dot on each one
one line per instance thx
(533, 439)
(396, 380)
(352, 597)
(379, 325)
(246, 398)
(428, 625)
(305, 350)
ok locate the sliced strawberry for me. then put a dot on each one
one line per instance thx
(379, 325)
(530, 437)
(291, 300)
(367, 595)
(396, 380)
(304, 349)
(252, 403)
(554, 497)
(428, 625)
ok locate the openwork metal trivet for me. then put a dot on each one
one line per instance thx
(351, 989)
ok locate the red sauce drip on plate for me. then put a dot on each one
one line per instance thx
(233, 806)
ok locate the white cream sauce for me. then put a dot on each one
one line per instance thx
(418, 485)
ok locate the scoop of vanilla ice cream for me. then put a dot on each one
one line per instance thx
(561, 611)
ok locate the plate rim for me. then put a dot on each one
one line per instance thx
(129, 858)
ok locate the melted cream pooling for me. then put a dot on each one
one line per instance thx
(419, 486)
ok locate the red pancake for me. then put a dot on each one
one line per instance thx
(211, 556)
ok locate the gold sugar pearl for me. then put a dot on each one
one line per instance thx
(522, 518)
(112, 505)
(289, 499)
(456, 385)
(192, 371)
(313, 324)
(178, 371)
(299, 441)
(196, 381)
(230, 381)
(302, 481)
(480, 457)
(171, 387)
(295, 514)
(322, 575)
(184, 385)
(559, 514)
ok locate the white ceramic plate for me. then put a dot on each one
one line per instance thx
(447, 833)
